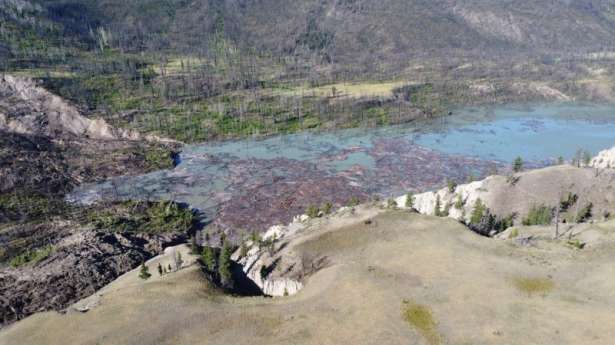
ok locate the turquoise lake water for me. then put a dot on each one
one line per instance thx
(536, 133)
(242, 175)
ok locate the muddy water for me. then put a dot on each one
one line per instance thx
(251, 184)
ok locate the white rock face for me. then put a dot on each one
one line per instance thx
(257, 258)
(604, 160)
(425, 203)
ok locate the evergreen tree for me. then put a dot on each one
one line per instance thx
(517, 165)
(459, 202)
(409, 200)
(478, 212)
(224, 264)
(160, 271)
(144, 273)
(209, 258)
(436, 209)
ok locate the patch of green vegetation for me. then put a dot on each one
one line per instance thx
(144, 272)
(312, 211)
(327, 207)
(538, 215)
(409, 200)
(17, 207)
(576, 244)
(478, 211)
(31, 257)
(585, 213)
(158, 158)
(514, 233)
(354, 201)
(421, 318)
(142, 217)
(534, 286)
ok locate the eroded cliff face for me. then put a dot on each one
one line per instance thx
(276, 271)
(425, 203)
(26, 108)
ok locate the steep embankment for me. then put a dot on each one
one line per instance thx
(399, 278)
(26, 108)
(586, 190)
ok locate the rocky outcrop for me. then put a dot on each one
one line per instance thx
(425, 203)
(26, 108)
(77, 267)
(513, 196)
(276, 270)
(604, 160)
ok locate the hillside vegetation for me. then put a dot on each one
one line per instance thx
(202, 70)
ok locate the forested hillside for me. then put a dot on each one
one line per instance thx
(200, 70)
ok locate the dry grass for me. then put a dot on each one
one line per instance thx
(461, 289)
(350, 90)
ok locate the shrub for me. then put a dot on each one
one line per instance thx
(452, 185)
(391, 203)
(585, 213)
(312, 211)
(354, 201)
(576, 244)
(567, 202)
(327, 207)
(539, 215)
(144, 272)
